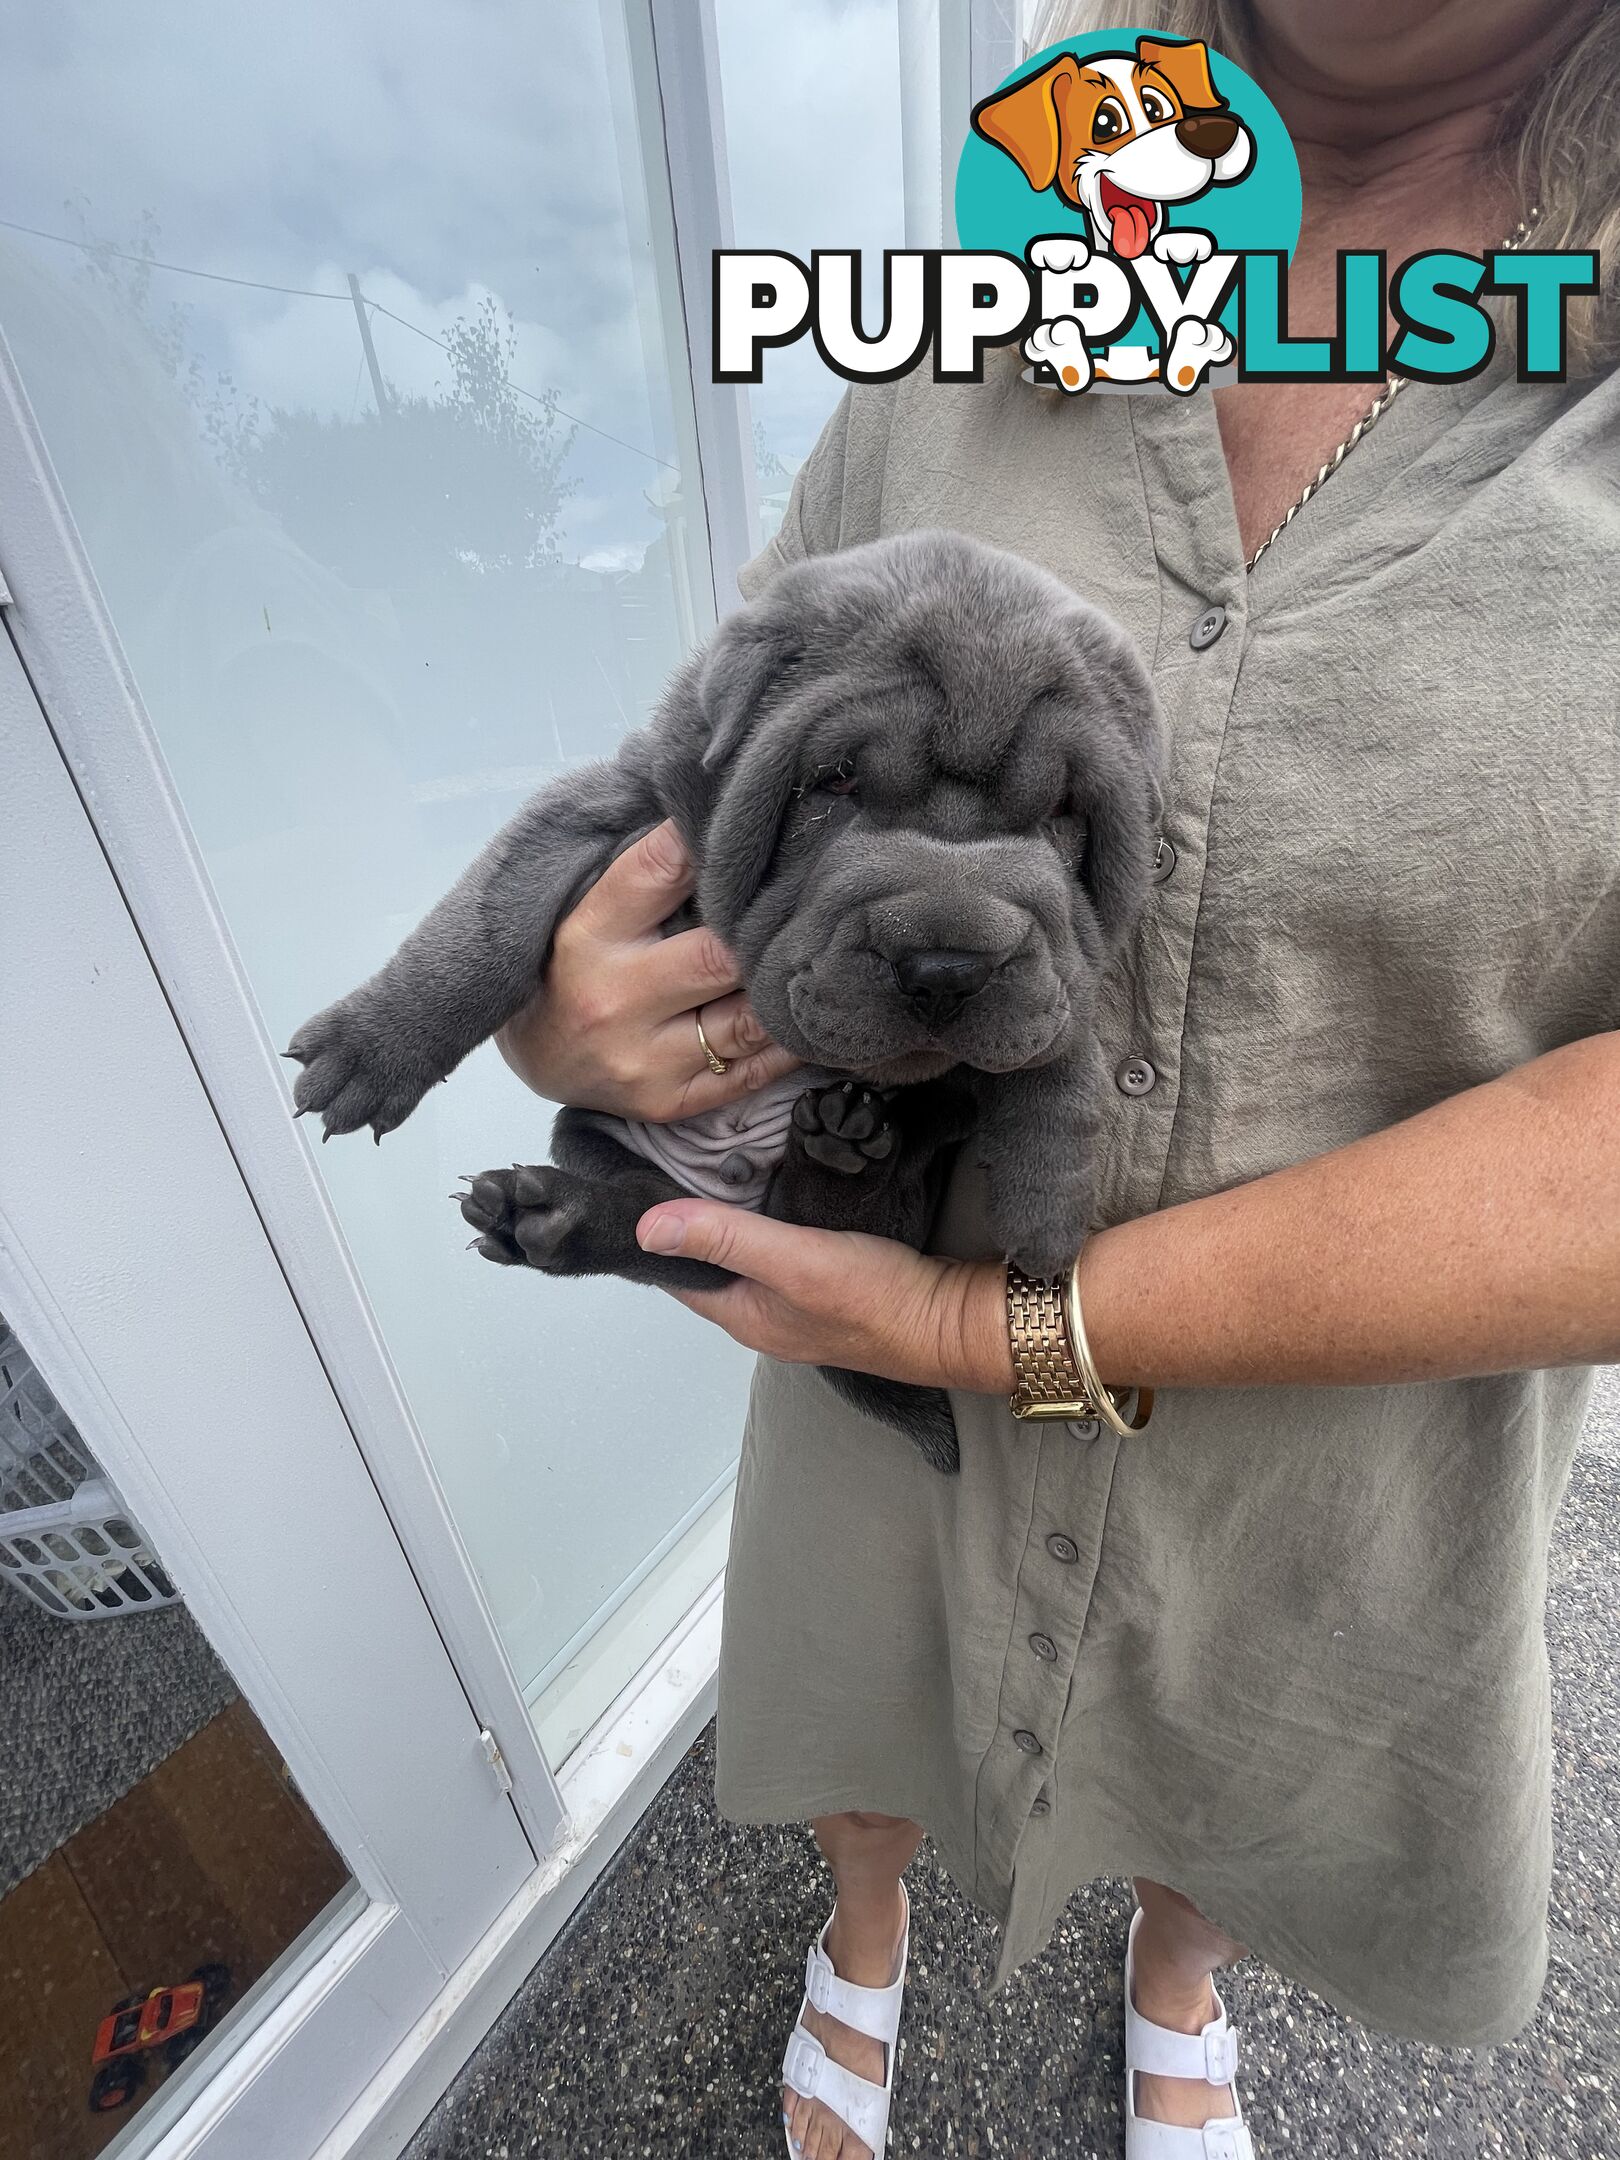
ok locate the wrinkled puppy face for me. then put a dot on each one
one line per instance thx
(933, 790)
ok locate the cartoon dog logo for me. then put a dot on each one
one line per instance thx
(1117, 136)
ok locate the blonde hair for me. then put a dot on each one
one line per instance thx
(1557, 142)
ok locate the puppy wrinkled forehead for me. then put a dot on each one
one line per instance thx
(929, 654)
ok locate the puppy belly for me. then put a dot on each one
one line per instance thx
(729, 1154)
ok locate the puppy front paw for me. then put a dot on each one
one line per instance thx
(844, 1128)
(359, 1069)
(1195, 347)
(526, 1216)
(1044, 1233)
(1061, 346)
(1062, 253)
(1184, 245)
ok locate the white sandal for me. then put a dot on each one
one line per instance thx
(810, 2071)
(1210, 2055)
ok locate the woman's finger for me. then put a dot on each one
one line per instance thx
(674, 974)
(639, 890)
(737, 1037)
(743, 1076)
(801, 1264)
(730, 1024)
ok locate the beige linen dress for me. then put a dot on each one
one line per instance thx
(1283, 1650)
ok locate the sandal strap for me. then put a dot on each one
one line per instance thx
(861, 2107)
(1210, 2055)
(1228, 2140)
(873, 2011)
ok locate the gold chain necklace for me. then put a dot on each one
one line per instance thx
(1380, 405)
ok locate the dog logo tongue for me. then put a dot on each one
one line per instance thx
(1129, 218)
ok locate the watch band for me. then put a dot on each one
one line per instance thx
(1047, 1381)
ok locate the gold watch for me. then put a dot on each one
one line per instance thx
(1054, 1373)
(1047, 1381)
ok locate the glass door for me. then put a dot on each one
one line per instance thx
(250, 1825)
(359, 353)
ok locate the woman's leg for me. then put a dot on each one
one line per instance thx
(1178, 1952)
(867, 1855)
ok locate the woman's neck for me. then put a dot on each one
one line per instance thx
(1439, 185)
(1361, 80)
(1395, 109)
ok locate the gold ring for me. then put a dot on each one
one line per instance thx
(717, 1064)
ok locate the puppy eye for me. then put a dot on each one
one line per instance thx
(836, 779)
(1069, 835)
(1157, 108)
(1108, 122)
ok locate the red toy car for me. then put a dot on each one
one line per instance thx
(171, 2018)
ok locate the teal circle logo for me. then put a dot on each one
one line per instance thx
(1119, 139)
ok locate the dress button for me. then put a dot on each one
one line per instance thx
(1062, 1548)
(1040, 1807)
(1044, 1647)
(1084, 1428)
(1027, 1741)
(1207, 628)
(1135, 1077)
(1164, 861)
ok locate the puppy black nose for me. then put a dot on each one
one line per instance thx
(939, 984)
(1206, 134)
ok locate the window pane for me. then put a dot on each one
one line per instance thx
(834, 178)
(354, 344)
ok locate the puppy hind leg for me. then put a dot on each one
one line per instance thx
(860, 1158)
(922, 1414)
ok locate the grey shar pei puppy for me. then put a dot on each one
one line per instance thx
(921, 782)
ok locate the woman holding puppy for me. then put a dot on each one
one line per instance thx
(1278, 1657)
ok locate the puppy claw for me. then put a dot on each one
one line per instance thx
(529, 1216)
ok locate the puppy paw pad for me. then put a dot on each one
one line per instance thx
(522, 1215)
(844, 1127)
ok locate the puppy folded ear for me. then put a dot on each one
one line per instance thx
(1121, 807)
(1184, 64)
(1116, 770)
(1027, 120)
(753, 656)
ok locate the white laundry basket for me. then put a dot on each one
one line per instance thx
(66, 1539)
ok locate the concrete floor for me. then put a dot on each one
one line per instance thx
(655, 2025)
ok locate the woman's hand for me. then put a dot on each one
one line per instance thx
(614, 1025)
(836, 1297)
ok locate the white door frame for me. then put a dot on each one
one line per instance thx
(675, 66)
(352, 2054)
(137, 1271)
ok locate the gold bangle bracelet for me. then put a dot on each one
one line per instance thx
(1105, 1398)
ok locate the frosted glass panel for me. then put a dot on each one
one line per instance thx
(350, 331)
